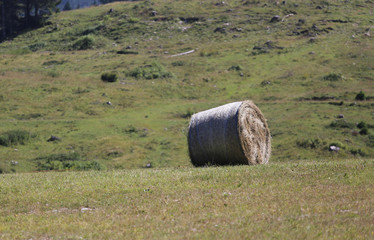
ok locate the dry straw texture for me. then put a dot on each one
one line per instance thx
(235, 133)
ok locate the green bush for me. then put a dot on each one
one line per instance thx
(362, 124)
(153, 71)
(236, 68)
(109, 77)
(37, 46)
(133, 20)
(364, 131)
(340, 123)
(332, 77)
(84, 43)
(14, 137)
(310, 143)
(53, 73)
(28, 116)
(359, 151)
(68, 161)
(360, 96)
(178, 63)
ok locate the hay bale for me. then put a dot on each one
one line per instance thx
(235, 133)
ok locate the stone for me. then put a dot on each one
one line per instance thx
(334, 148)
(53, 138)
(276, 18)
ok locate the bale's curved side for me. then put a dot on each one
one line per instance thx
(235, 133)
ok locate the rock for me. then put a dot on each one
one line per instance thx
(334, 148)
(84, 209)
(340, 116)
(53, 138)
(312, 40)
(221, 30)
(301, 22)
(220, 3)
(276, 18)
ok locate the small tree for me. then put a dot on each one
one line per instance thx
(360, 96)
(67, 6)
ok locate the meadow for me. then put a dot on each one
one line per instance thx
(287, 200)
(103, 89)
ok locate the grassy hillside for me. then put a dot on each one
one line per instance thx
(302, 69)
(305, 200)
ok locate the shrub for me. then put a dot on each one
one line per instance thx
(53, 73)
(178, 63)
(310, 143)
(92, 30)
(236, 68)
(340, 123)
(153, 71)
(37, 46)
(84, 43)
(66, 161)
(109, 77)
(359, 151)
(360, 96)
(127, 52)
(364, 131)
(362, 124)
(28, 116)
(332, 77)
(134, 20)
(14, 137)
(187, 114)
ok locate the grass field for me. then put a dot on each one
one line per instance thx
(304, 200)
(303, 71)
(310, 71)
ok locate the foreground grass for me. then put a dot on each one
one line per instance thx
(302, 200)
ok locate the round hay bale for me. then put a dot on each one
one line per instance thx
(235, 133)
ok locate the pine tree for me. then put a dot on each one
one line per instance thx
(67, 6)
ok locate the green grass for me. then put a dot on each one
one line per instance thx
(319, 199)
(51, 79)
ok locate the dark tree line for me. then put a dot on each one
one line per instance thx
(18, 15)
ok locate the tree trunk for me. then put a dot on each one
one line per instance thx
(3, 19)
(36, 10)
(27, 13)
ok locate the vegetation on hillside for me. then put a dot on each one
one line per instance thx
(307, 65)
